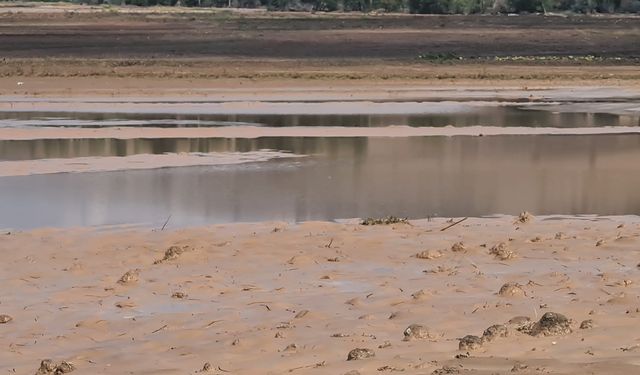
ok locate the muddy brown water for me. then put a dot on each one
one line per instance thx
(340, 178)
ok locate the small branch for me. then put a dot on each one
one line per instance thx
(212, 323)
(165, 223)
(450, 225)
(160, 329)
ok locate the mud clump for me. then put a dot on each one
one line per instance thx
(4, 319)
(519, 367)
(524, 218)
(64, 368)
(416, 332)
(48, 367)
(130, 277)
(494, 332)
(419, 295)
(470, 342)
(429, 254)
(551, 324)
(519, 322)
(172, 253)
(384, 221)
(179, 295)
(360, 353)
(206, 367)
(501, 252)
(586, 324)
(446, 370)
(511, 290)
(560, 236)
(458, 247)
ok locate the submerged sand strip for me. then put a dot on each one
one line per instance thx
(299, 131)
(394, 106)
(140, 161)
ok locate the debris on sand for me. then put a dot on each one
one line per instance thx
(494, 332)
(511, 290)
(385, 221)
(416, 332)
(551, 324)
(470, 342)
(4, 319)
(179, 295)
(458, 247)
(290, 348)
(419, 295)
(524, 218)
(560, 236)
(519, 367)
(384, 345)
(124, 305)
(129, 277)
(390, 368)
(360, 353)
(48, 367)
(446, 370)
(500, 251)
(355, 301)
(442, 269)
(340, 335)
(600, 242)
(173, 252)
(429, 254)
(586, 324)
(207, 367)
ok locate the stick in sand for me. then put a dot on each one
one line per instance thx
(450, 225)
(165, 223)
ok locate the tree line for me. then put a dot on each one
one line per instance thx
(404, 6)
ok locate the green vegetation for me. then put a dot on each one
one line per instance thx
(439, 57)
(385, 221)
(582, 59)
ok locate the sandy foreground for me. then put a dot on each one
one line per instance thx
(273, 298)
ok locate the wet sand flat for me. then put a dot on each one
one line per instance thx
(275, 298)
(317, 131)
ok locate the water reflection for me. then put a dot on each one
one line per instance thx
(510, 115)
(348, 177)
(71, 148)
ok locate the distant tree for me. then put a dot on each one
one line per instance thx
(427, 6)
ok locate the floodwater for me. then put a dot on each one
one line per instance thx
(338, 178)
(435, 116)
